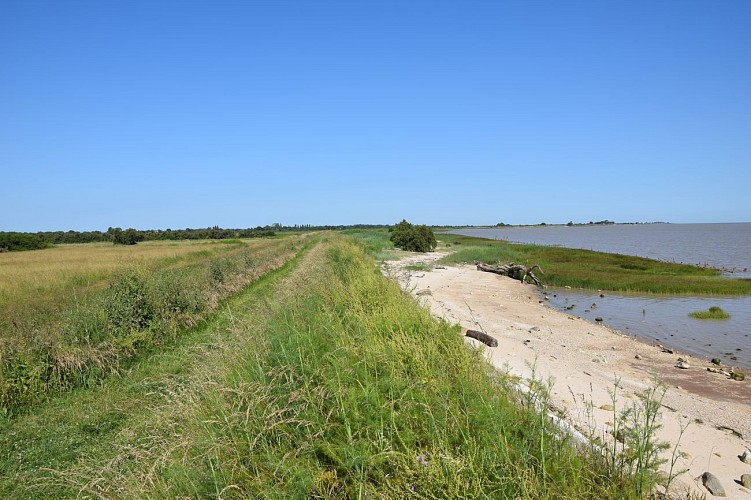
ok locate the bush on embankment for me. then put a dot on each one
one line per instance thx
(349, 389)
(46, 353)
(413, 238)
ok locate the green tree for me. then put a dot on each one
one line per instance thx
(413, 238)
(11, 242)
(128, 237)
(131, 236)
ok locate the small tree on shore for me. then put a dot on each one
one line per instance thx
(413, 238)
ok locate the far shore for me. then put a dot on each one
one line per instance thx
(584, 360)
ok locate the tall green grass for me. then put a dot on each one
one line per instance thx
(376, 242)
(348, 389)
(596, 270)
(323, 381)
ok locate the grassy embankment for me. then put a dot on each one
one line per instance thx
(596, 270)
(70, 315)
(322, 379)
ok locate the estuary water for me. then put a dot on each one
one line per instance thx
(658, 319)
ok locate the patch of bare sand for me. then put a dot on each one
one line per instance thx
(584, 359)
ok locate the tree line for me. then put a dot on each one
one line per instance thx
(17, 241)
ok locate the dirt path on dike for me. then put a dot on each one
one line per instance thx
(584, 359)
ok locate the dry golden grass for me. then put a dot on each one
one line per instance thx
(36, 285)
(50, 276)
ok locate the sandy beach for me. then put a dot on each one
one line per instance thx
(583, 359)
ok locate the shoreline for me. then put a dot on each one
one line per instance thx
(664, 320)
(584, 359)
(725, 254)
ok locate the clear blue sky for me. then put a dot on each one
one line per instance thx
(152, 114)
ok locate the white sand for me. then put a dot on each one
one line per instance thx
(584, 360)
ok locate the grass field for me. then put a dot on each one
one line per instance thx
(69, 315)
(320, 379)
(97, 258)
(57, 274)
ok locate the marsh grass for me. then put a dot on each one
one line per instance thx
(714, 312)
(596, 270)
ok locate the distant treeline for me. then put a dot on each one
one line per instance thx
(32, 241)
(15, 241)
(11, 242)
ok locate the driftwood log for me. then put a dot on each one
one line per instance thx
(482, 337)
(512, 270)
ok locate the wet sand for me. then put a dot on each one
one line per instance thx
(584, 359)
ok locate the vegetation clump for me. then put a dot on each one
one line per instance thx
(714, 312)
(413, 238)
(14, 242)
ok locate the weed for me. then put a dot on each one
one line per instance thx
(126, 303)
(420, 266)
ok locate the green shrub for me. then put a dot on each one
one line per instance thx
(177, 292)
(216, 272)
(222, 269)
(127, 303)
(413, 238)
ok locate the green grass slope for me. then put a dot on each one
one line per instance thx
(323, 380)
